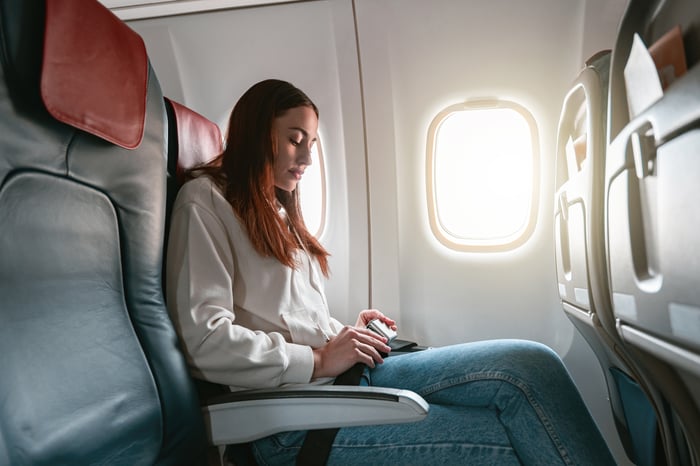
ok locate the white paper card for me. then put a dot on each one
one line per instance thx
(641, 78)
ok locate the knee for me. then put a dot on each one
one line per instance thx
(533, 359)
(535, 351)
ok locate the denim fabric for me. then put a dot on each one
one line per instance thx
(496, 402)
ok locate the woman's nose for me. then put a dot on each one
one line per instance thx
(304, 157)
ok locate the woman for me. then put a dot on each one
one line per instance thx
(245, 287)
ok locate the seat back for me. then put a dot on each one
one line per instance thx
(193, 139)
(91, 370)
(580, 254)
(652, 218)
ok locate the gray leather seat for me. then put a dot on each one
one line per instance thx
(90, 369)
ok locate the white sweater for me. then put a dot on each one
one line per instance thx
(246, 321)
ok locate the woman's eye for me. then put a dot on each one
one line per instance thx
(294, 142)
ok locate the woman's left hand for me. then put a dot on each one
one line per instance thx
(370, 314)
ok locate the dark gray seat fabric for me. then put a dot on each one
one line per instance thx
(90, 366)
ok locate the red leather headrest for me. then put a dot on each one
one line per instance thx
(95, 71)
(199, 139)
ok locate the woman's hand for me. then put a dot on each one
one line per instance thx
(370, 314)
(350, 346)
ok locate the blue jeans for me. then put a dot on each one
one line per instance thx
(496, 402)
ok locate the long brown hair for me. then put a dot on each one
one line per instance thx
(244, 172)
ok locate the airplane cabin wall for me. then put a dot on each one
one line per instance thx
(601, 21)
(380, 71)
(418, 58)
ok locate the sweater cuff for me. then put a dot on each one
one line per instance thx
(300, 366)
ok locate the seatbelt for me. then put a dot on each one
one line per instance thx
(318, 443)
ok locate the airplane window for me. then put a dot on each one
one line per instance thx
(482, 175)
(312, 191)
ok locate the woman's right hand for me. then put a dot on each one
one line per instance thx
(350, 346)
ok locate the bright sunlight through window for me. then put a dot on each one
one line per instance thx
(312, 191)
(482, 176)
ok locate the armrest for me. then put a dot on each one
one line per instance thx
(252, 414)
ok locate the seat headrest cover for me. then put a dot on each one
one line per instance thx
(199, 139)
(94, 72)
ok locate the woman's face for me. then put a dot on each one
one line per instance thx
(293, 136)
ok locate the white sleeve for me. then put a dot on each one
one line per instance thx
(336, 325)
(200, 271)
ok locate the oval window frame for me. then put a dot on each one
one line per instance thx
(442, 234)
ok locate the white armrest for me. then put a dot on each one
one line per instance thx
(252, 414)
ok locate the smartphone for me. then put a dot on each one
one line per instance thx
(381, 328)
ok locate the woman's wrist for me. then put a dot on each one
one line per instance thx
(318, 364)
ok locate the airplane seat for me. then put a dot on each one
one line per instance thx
(580, 256)
(90, 371)
(192, 140)
(651, 213)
